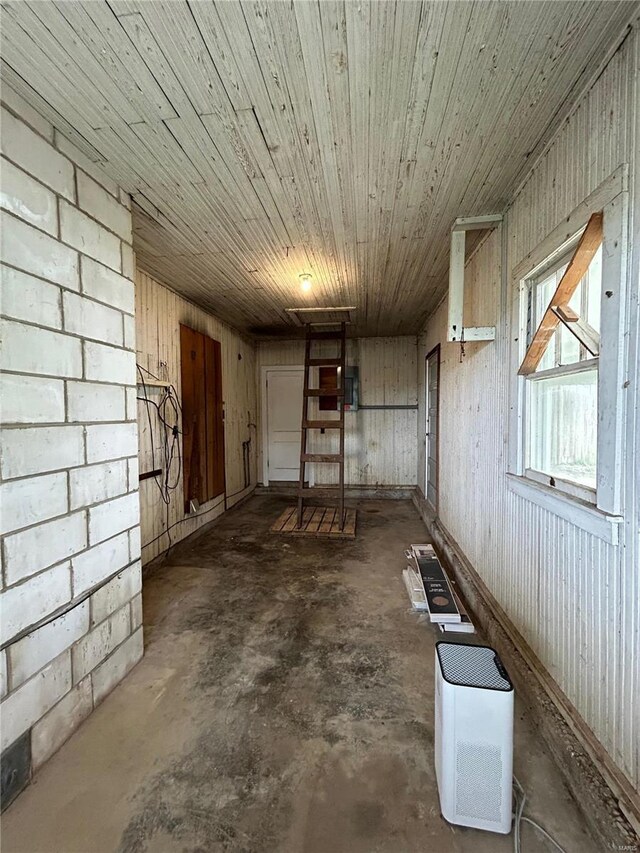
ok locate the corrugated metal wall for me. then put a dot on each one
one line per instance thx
(380, 445)
(159, 312)
(573, 597)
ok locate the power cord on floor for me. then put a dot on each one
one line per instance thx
(518, 819)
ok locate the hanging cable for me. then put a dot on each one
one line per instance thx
(169, 413)
(518, 819)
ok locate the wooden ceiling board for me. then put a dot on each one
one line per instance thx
(260, 140)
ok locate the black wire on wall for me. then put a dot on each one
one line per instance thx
(169, 413)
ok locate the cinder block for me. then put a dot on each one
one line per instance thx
(96, 564)
(36, 450)
(25, 247)
(25, 197)
(88, 401)
(31, 399)
(57, 726)
(94, 647)
(134, 476)
(3, 673)
(32, 299)
(125, 198)
(32, 500)
(80, 159)
(36, 156)
(116, 593)
(105, 520)
(107, 286)
(95, 483)
(29, 349)
(87, 236)
(134, 543)
(128, 262)
(23, 605)
(34, 698)
(111, 441)
(108, 364)
(114, 669)
(132, 403)
(15, 769)
(34, 549)
(129, 332)
(92, 319)
(18, 105)
(104, 207)
(32, 652)
(136, 612)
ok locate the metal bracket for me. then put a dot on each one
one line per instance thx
(456, 330)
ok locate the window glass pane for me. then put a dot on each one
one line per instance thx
(563, 426)
(569, 346)
(544, 291)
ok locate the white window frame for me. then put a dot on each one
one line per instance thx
(598, 511)
(559, 257)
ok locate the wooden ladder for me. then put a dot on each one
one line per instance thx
(313, 334)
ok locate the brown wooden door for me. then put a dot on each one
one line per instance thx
(215, 418)
(202, 417)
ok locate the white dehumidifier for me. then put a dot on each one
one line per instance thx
(474, 736)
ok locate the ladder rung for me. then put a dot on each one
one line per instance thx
(324, 362)
(323, 392)
(325, 336)
(321, 457)
(323, 424)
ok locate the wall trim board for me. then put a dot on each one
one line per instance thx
(607, 799)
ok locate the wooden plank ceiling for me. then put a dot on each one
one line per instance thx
(261, 140)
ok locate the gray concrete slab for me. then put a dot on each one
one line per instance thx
(284, 703)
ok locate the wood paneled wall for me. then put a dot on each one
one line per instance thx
(587, 635)
(159, 312)
(380, 444)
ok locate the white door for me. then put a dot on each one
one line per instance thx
(432, 377)
(284, 417)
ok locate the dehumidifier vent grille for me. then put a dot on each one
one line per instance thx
(478, 781)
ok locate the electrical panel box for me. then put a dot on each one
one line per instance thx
(351, 389)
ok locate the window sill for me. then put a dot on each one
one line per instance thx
(585, 516)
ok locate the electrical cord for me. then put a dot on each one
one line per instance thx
(518, 819)
(170, 441)
(171, 449)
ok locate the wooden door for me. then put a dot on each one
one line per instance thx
(284, 404)
(202, 417)
(215, 419)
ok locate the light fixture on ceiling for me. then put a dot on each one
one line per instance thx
(305, 282)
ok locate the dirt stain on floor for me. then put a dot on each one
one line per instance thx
(284, 705)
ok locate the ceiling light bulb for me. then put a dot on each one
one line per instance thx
(305, 282)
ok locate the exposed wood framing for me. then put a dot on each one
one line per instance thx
(558, 308)
(586, 334)
(456, 330)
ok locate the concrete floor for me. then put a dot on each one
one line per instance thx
(285, 703)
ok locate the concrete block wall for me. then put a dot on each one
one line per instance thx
(70, 595)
